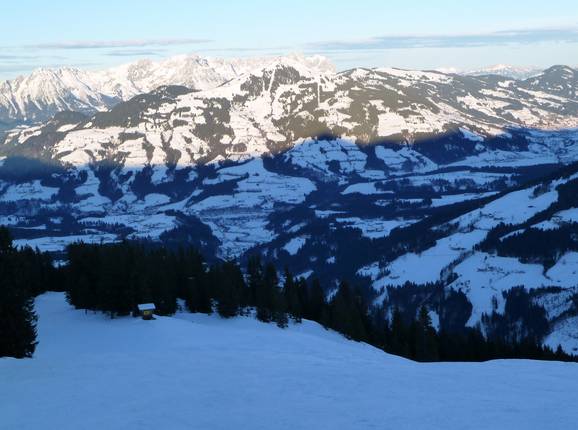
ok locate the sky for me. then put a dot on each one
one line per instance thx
(417, 34)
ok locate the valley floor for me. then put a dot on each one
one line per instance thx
(200, 372)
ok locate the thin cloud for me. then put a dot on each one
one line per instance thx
(14, 57)
(9, 68)
(19, 57)
(134, 53)
(498, 38)
(16, 69)
(249, 49)
(100, 44)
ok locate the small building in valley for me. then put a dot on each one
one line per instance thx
(147, 310)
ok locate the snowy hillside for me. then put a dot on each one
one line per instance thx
(192, 371)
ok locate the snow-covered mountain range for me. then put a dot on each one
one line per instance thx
(419, 185)
(38, 96)
(506, 70)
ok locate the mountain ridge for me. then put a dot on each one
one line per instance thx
(38, 96)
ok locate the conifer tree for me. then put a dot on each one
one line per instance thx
(316, 308)
(399, 335)
(266, 292)
(280, 311)
(197, 296)
(346, 314)
(5, 241)
(229, 284)
(302, 294)
(163, 284)
(426, 348)
(559, 354)
(17, 316)
(18, 322)
(379, 328)
(255, 278)
(292, 297)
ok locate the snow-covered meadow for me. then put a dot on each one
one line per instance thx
(199, 372)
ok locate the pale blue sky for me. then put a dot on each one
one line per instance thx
(413, 34)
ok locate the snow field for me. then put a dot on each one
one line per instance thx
(196, 371)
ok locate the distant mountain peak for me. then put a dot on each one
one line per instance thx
(506, 70)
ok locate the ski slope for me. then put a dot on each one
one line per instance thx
(199, 372)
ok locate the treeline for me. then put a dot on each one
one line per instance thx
(522, 317)
(23, 275)
(535, 245)
(115, 278)
(418, 340)
(532, 245)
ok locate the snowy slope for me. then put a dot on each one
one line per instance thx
(193, 371)
(458, 259)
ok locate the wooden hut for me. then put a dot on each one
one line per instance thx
(147, 310)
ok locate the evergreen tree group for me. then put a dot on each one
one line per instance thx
(115, 278)
(23, 274)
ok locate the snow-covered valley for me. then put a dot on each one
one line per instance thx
(392, 179)
(194, 371)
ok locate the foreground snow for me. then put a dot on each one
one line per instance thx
(193, 371)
